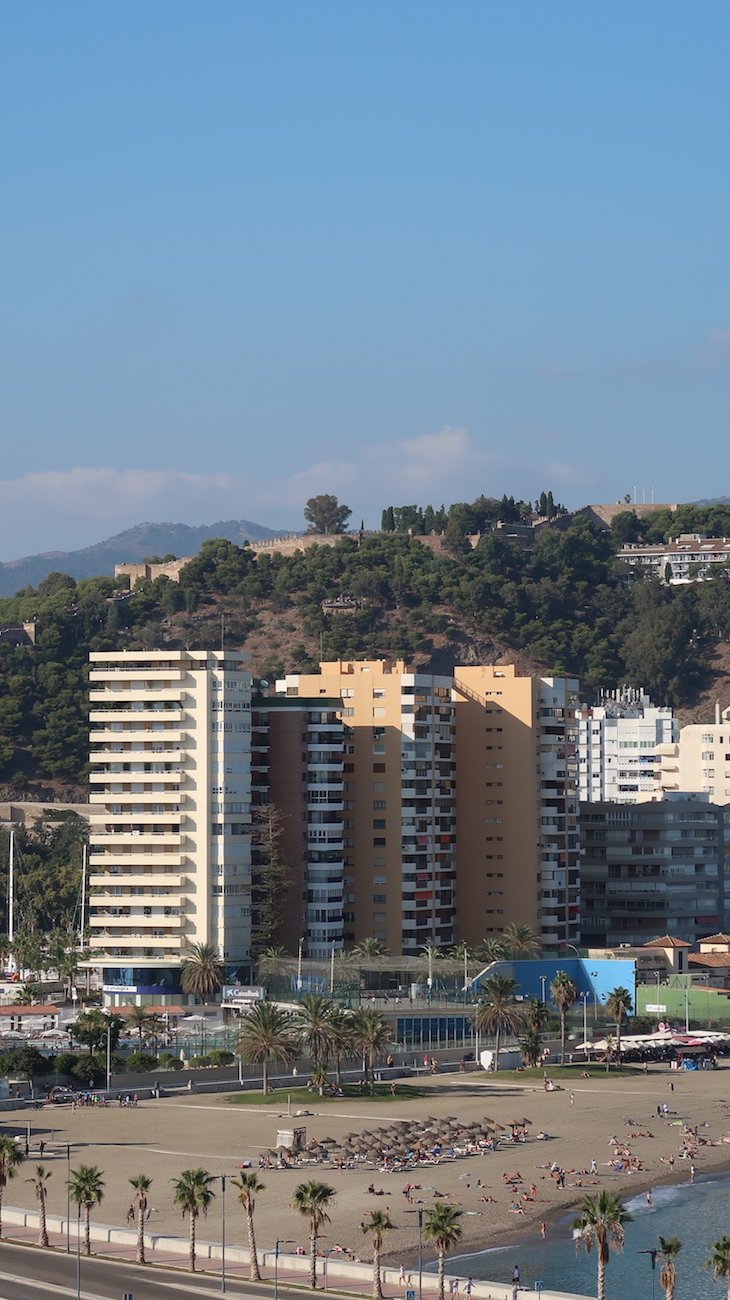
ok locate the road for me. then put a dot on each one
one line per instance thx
(28, 1274)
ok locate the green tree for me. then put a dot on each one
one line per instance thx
(267, 1034)
(371, 1034)
(370, 948)
(40, 1186)
(271, 878)
(536, 1015)
(86, 1187)
(141, 1184)
(619, 1004)
(313, 1023)
(498, 1013)
(313, 1200)
(324, 514)
(376, 1226)
(563, 992)
(531, 1046)
(10, 1157)
(202, 971)
(719, 1262)
(600, 1223)
(248, 1186)
(193, 1194)
(520, 941)
(442, 1228)
(669, 1248)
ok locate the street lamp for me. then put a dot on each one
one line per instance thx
(68, 1198)
(543, 981)
(332, 969)
(584, 999)
(223, 1233)
(428, 949)
(299, 967)
(78, 1250)
(420, 1255)
(571, 945)
(280, 1241)
(686, 1008)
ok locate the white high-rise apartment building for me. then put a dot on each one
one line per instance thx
(618, 747)
(170, 844)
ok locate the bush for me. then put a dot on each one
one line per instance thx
(64, 1063)
(168, 1061)
(218, 1056)
(140, 1061)
(87, 1072)
(200, 1062)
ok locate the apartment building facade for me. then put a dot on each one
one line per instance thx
(399, 814)
(170, 844)
(699, 760)
(298, 778)
(517, 815)
(690, 557)
(652, 867)
(618, 747)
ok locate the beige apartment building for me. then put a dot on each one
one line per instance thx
(170, 843)
(517, 824)
(699, 762)
(461, 809)
(399, 799)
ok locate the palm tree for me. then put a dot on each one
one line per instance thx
(618, 1005)
(719, 1261)
(86, 1188)
(193, 1193)
(341, 1044)
(370, 948)
(669, 1248)
(141, 1185)
(371, 1034)
(10, 1157)
(601, 1224)
(563, 993)
(202, 971)
(520, 940)
(536, 1014)
(498, 1013)
(377, 1225)
(531, 1046)
(313, 1199)
(139, 1021)
(267, 1034)
(40, 1184)
(314, 1025)
(491, 950)
(441, 1226)
(248, 1185)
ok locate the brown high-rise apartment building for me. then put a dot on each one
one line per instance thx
(399, 799)
(517, 812)
(461, 810)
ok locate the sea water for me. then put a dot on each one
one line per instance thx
(697, 1214)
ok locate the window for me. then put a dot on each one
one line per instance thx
(378, 804)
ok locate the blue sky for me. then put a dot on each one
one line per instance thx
(396, 251)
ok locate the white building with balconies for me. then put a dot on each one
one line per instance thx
(170, 840)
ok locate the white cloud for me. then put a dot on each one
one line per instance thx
(64, 509)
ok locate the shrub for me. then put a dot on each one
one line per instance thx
(199, 1062)
(140, 1062)
(168, 1061)
(218, 1056)
(87, 1071)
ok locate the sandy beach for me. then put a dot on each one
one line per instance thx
(161, 1138)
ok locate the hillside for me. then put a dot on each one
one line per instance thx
(563, 604)
(132, 545)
